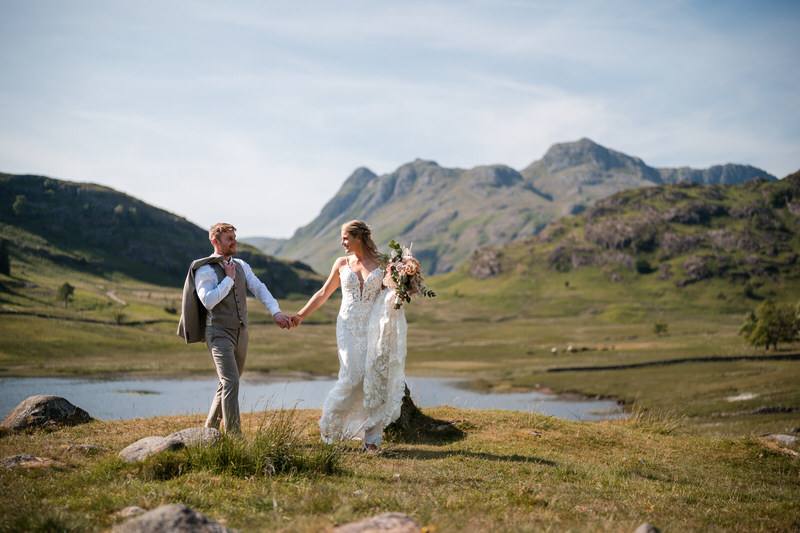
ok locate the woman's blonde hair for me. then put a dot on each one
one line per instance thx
(362, 232)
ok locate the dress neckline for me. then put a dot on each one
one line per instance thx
(356, 274)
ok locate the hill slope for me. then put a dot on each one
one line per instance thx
(95, 229)
(679, 234)
(450, 212)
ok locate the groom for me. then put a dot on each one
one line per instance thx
(214, 310)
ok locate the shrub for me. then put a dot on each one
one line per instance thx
(643, 266)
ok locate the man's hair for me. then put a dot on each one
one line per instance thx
(218, 229)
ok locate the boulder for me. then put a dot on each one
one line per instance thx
(647, 528)
(174, 518)
(383, 523)
(147, 446)
(44, 411)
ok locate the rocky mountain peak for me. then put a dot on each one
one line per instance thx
(562, 156)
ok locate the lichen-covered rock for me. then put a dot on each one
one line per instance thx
(25, 460)
(44, 411)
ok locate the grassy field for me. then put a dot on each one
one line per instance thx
(499, 335)
(509, 472)
(693, 456)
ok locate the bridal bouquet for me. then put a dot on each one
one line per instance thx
(403, 274)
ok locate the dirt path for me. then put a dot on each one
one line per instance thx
(116, 298)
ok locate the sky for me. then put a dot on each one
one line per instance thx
(256, 112)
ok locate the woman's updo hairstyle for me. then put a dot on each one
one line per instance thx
(359, 230)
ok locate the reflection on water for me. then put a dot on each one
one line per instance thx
(125, 399)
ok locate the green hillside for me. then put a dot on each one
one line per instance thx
(54, 225)
(735, 244)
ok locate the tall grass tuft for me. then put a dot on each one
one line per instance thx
(660, 421)
(277, 447)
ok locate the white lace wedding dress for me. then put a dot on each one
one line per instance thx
(371, 339)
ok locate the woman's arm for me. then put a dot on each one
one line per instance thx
(322, 295)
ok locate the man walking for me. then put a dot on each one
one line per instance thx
(214, 310)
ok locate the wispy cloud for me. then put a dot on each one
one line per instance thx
(277, 102)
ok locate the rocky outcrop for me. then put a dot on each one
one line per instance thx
(44, 411)
(484, 264)
(174, 518)
(147, 446)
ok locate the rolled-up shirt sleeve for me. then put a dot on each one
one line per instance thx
(260, 290)
(208, 289)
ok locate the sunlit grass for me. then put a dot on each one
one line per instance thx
(511, 472)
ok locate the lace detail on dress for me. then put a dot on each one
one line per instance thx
(370, 353)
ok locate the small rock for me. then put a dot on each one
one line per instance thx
(25, 460)
(383, 523)
(196, 436)
(175, 518)
(44, 411)
(788, 440)
(647, 528)
(147, 446)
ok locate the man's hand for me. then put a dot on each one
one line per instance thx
(282, 320)
(230, 268)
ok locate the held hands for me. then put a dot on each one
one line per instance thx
(287, 322)
(282, 320)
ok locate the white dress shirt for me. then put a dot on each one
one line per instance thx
(212, 292)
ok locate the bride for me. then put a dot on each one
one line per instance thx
(371, 340)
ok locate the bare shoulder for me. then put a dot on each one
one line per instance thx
(340, 263)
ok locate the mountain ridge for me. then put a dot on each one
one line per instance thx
(451, 212)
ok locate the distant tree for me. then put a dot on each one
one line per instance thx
(20, 206)
(65, 293)
(118, 316)
(770, 324)
(5, 262)
(660, 328)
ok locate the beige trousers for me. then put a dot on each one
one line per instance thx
(229, 351)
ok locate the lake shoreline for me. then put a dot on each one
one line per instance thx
(122, 398)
